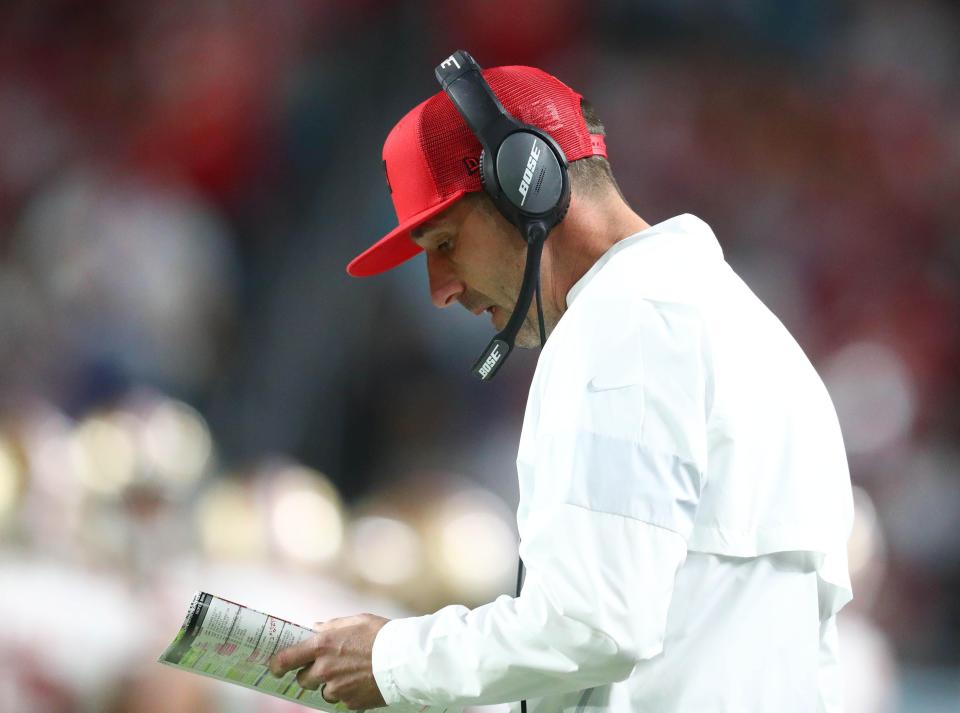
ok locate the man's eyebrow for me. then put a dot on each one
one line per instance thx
(421, 230)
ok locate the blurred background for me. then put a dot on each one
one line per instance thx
(194, 395)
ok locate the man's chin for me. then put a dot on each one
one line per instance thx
(499, 317)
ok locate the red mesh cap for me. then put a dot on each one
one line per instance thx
(432, 158)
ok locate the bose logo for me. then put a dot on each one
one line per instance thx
(490, 362)
(528, 171)
(450, 60)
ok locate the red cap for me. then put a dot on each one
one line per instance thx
(432, 158)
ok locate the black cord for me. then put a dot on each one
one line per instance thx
(543, 331)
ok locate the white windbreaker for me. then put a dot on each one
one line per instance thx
(684, 510)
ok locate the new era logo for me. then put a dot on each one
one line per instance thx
(472, 164)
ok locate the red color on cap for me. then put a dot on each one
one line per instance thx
(432, 158)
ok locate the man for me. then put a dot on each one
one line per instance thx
(684, 494)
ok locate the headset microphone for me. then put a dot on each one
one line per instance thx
(524, 171)
(501, 345)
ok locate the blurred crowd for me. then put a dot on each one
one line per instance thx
(187, 373)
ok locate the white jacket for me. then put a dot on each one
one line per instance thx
(684, 510)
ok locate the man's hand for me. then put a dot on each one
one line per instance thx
(339, 654)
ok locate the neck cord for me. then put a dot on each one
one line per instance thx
(543, 332)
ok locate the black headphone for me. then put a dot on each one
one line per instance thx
(524, 171)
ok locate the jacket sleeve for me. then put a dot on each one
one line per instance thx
(594, 603)
(611, 470)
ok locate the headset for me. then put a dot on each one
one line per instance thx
(524, 171)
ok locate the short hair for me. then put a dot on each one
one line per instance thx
(592, 174)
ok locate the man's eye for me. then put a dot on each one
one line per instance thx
(445, 246)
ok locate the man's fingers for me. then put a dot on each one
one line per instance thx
(327, 694)
(297, 655)
(309, 678)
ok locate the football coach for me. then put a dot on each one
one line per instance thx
(685, 501)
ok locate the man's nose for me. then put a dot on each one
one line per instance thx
(445, 286)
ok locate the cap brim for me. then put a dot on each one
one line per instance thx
(396, 246)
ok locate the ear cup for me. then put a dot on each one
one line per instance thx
(529, 173)
(489, 183)
(562, 208)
